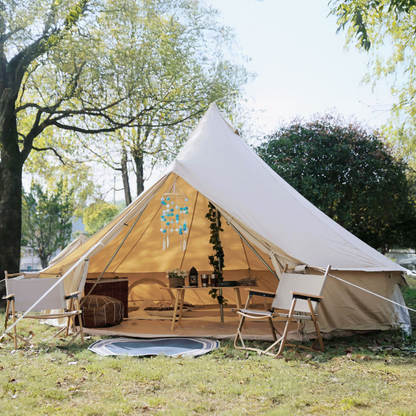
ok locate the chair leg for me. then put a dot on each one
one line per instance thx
(274, 330)
(76, 306)
(316, 325)
(286, 331)
(318, 335)
(6, 318)
(73, 305)
(81, 327)
(14, 328)
(284, 336)
(282, 340)
(238, 335)
(61, 330)
(70, 323)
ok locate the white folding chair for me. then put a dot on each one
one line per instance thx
(296, 300)
(24, 290)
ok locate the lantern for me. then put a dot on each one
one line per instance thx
(193, 277)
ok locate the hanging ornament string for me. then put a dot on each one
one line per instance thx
(174, 216)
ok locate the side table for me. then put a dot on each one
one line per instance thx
(180, 296)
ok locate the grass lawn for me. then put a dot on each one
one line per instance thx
(360, 375)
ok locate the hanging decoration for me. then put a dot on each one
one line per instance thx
(217, 259)
(174, 216)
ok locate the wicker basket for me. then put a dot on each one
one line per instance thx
(176, 281)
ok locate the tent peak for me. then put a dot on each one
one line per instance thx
(213, 109)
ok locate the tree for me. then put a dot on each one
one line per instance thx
(62, 69)
(30, 33)
(179, 66)
(47, 220)
(97, 215)
(388, 27)
(359, 16)
(350, 174)
(45, 169)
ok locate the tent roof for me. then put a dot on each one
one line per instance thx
(218, 163)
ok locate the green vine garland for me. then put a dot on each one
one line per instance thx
(217, 259)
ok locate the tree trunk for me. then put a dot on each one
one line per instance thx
(138, 161)
(44, 261)
(125, 176)
(11, 167)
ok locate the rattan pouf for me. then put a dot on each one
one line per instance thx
(99, 311)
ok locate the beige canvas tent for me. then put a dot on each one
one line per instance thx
(267, 224)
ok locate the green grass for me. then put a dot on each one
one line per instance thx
(360, 375)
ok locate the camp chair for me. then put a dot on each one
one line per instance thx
(26, 288)
(296, 300)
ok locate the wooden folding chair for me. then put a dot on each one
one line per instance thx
(296, 300)
(25, 289)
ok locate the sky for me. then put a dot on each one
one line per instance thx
(301, 64)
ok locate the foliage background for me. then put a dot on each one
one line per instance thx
(349, 173)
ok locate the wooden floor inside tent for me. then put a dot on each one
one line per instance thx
(197, 323)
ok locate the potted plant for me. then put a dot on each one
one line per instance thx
(176, 277)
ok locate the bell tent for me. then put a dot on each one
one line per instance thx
(266, 225)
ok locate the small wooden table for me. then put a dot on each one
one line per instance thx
(180, 294)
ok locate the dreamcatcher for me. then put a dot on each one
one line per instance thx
(174, 215)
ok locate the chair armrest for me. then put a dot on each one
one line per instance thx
(14, 274)
(11, 296)
(26, 275)
(261, 293)
(305, 296)
(73, 295)
(31, 275)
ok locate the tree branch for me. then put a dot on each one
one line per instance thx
(103, 159)
(34, 132)
(54, 122)
(44, 149)
(20, 62)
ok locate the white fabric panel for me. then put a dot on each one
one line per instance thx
(308, 284)
(28, 291)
